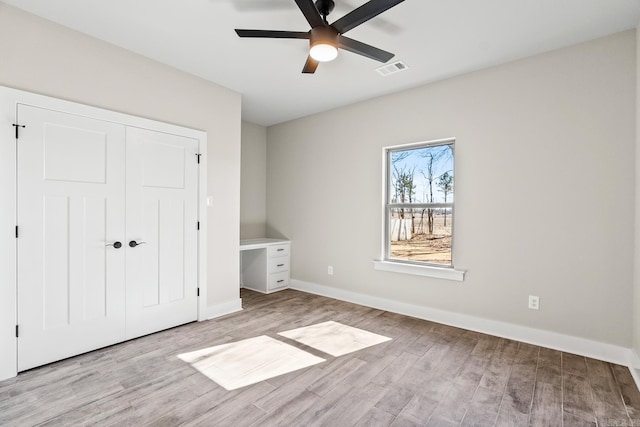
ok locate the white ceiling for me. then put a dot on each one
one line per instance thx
(437, 39)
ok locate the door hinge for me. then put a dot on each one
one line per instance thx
(198, 157)
(17, 331)
(16, 231)
(198, 292)
(198, 225)
(17, 126)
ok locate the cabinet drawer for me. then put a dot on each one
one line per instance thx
(278, 264)
(278, 280)
(279, 250)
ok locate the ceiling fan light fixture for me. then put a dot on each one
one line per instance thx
(322, 52)
(325, 39)
(324, 44)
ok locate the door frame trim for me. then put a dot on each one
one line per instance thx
(9, 99)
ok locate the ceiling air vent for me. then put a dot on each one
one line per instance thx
(392, 68)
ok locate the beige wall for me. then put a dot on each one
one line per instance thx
(43, 57)
(544, 197)
(253, 181)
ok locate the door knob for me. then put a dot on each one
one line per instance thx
(133, 243)
(116, 245)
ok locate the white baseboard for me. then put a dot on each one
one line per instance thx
(634, 367)
(566, 343)
(223, 309)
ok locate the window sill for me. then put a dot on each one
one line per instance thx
(420, 270)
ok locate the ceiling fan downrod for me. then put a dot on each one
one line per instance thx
(325, 7)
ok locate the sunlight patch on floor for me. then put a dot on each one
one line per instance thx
(249, 361)
(334, 338)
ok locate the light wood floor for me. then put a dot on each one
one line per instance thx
(429, 374)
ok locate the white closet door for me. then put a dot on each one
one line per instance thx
(162, 188)
(71, 203)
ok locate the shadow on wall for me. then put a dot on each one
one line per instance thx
(252, 230)
(275, 234)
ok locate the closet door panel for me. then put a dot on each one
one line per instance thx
(71, 285)
(162, 217)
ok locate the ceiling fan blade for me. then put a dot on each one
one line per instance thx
(362, 14)
(310, 66)
(309, 10)
(269, 34)
(364, 49)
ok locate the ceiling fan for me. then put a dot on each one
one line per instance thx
(324, 38)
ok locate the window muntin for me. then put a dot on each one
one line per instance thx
(419, 203)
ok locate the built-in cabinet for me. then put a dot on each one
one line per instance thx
(265, 264)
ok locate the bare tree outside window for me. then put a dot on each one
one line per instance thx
(419, 207)
(445, 182)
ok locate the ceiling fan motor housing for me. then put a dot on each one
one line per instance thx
(324, 35)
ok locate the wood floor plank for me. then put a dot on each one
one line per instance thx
(290, 390)
(333, 373)
(428, 374)
(571, 420)
(395, 398)
(577, 398)
(453, 406)
(518, 397)
(486, 346)
(243, 414)
(547, 356)
(473, 370)
(629, 391)
(433, 357)
(288, 409)
(194, 409)
(396, 369)
(375, 417)
(498, 370)
(574, 364)
(322, 406)
(546, 409)
(483, 409)
(426, 400)
(608, 405)
(405, 421)
(549, 374)
(353, 407)
(421, 344)
(370, 370)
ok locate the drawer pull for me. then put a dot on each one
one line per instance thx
(280, 265)
(280, 281)
(280, 250)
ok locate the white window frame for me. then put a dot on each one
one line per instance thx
(386, 263)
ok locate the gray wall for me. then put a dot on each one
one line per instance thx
(46, 58)
(253, 181)
(544, 197)
(636, 284)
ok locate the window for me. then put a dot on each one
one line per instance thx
(419, 204)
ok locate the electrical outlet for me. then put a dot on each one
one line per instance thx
(330, 270)
(534, 302)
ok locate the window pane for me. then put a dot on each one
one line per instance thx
(421, 175)
(421, 235)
